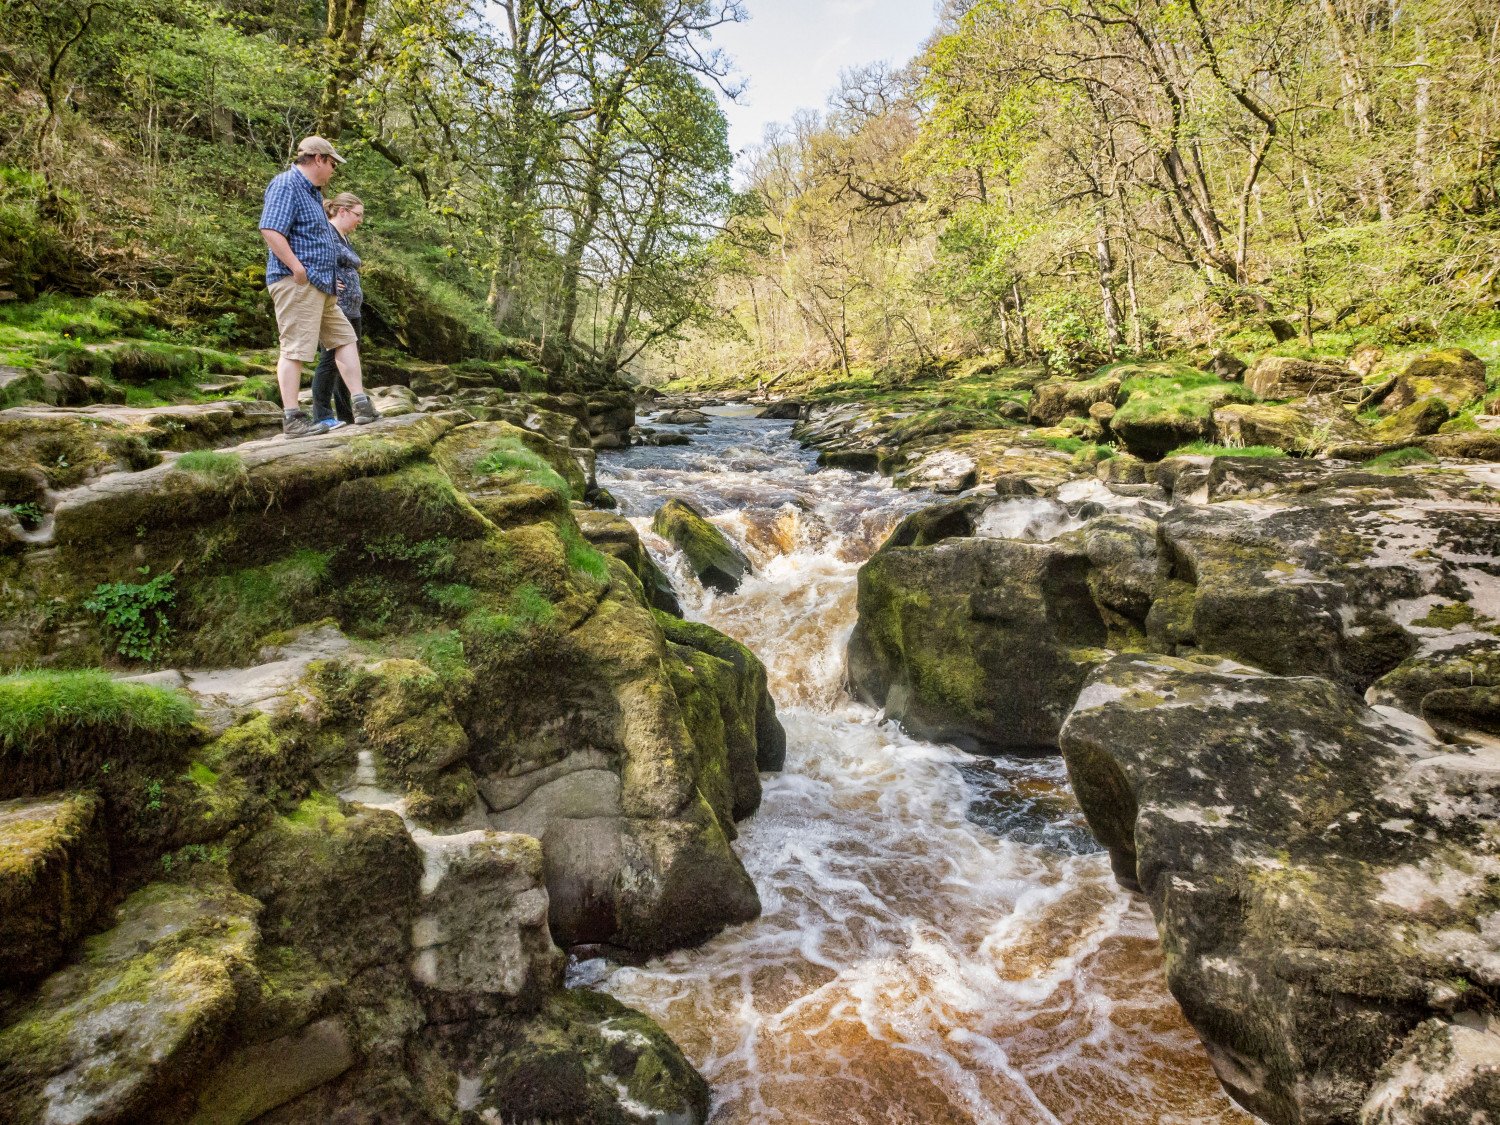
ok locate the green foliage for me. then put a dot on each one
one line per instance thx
(527, 610)
(1209, 449)
(28, 513)
(509, 461)
(135, 615)
(35, 706)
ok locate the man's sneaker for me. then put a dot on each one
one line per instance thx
(364, 411)
(327, 425)
(298, 423)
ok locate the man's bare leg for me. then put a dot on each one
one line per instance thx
(346, 356)
(289, 380)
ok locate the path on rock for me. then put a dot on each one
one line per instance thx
(942, 940)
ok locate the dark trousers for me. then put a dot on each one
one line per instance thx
(328, 391)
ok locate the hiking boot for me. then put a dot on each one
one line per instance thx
(298, 423)
(364, 411)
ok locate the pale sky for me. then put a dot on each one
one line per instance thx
(792, 51)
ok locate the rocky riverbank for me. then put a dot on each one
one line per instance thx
(318, 752)
(1276, 683)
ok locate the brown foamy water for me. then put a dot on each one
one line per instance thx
(941, 939)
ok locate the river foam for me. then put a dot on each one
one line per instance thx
(941, 939)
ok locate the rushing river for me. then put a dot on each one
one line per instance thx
(941, 939)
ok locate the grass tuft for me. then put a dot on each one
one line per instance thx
(36, 705)
(1209, 449)
(509, 461)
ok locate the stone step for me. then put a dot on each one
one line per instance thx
(54, 875)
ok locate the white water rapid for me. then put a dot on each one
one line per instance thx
(941, 938)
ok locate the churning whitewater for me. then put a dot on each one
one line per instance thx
(941, 939)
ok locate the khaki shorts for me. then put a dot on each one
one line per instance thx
(307, 317)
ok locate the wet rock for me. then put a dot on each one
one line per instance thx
(944, 471)
(667, 439)
(982, 642)
(787, 409)
(54, 877)
(1280, 377)
(1453, 376)
(853, 460)
(681, 418)
(716, 561)
(119, 1034)
(1321, 874)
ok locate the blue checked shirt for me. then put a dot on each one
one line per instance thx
(295, 208)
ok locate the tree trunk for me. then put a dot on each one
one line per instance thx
(345, 36)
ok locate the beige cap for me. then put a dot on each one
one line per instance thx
(317, 146)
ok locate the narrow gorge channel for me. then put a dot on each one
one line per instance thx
(942, 940)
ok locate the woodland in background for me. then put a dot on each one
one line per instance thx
(531, 168)
(1080, 180)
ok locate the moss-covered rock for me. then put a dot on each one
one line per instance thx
(715, 560)
(587, 1057)
(1321, 876)
(615, 535)
(122, 1033)
(1305, 428)
(1453, 376)
(338, 881)
(1051, 402)
(1282, 377)
(980, 641)
(54, 877)
(1161, 414)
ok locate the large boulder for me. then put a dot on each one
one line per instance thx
(979, 641)
(1281, 377)
(716, 561)
(120, 1035)
(1453, 376)
(1321, 875)
(1305, 429)
(1052, 402)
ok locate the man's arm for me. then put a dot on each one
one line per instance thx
(283, 251)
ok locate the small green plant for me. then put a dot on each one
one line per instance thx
(154, 793)
(29, 513)
(134, 615)
(509, 461)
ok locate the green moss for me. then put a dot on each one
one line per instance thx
(509, 461)
(1209, 449)
(1401, 458)
(319, 812)
(231, 614)
(581, 555)
(206, 462)
(1186, 396)
(35, 707)
(1447, 616)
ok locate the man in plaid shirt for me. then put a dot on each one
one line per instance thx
(302, 249)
